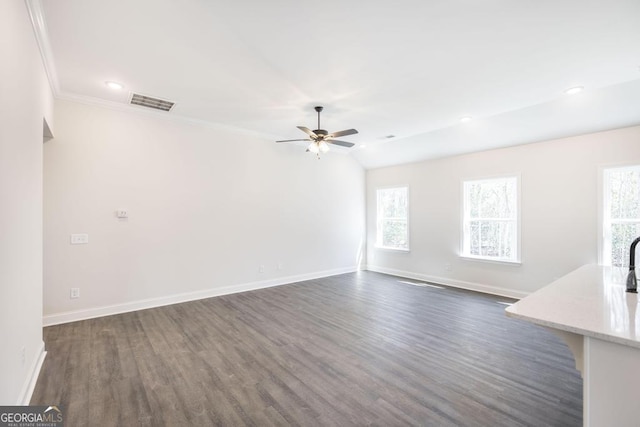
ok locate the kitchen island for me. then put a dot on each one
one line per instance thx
(591, 310)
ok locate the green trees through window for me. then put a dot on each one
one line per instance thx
(392, 218)
(490, 219)
(621, 213)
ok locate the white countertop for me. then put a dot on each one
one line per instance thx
(590, 301)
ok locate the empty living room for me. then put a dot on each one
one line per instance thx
(319, 213)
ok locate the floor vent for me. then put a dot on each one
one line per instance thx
(150, 102)
(427, 285)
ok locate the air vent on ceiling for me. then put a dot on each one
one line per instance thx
(150, 102)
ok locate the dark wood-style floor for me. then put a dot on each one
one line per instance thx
(354, 349)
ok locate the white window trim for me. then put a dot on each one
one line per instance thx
(518, 258)
(604, 235)
(489, 260)
(388, 248)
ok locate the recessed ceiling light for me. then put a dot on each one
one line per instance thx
(574, 90)
(465, 119)
(114, 85)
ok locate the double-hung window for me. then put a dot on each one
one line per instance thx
(392, 222)
(621, 213)
(490, 225)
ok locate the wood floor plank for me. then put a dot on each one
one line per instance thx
(354, 349)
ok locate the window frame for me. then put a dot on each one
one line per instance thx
(604, 232)
(517, 260)
(378, 239)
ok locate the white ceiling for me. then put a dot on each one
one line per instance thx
(410, 68)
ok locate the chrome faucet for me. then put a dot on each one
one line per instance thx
(632, 281)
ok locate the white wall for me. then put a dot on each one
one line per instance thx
(559, 201)
(25, 100)
(207, 206)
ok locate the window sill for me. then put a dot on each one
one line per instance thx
(490, 260)
(387, 249)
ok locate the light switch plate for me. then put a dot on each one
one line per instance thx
(79, 239)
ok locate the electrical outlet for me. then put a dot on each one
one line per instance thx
(23, 355)
(75, 293)
(79, 239)
(122, 213)
(261, 269)
(280, 265)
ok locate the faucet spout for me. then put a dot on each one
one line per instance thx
(632, 281)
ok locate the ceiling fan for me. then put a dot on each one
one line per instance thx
(320, 138)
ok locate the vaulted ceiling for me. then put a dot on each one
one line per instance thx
(408, 68)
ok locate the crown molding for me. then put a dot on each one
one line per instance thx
(173, 117)
(165, 115)
(36, 13)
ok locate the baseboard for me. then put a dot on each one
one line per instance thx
(471, 286)
(90, 313)
(30, 384)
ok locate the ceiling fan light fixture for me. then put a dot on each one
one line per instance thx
(320, 138)
(313, 147)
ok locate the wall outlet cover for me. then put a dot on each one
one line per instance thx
(79, 239)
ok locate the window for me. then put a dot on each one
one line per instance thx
(621, 213)
(491, 220)
(392, 222)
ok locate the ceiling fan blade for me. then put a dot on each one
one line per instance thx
(342, 133)
(308, 132)
(341, 143)
(292, 140)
